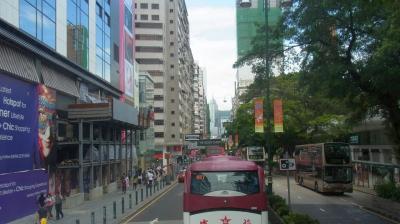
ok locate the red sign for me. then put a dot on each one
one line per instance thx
(158, 156)
(225, 220)
(204, 221)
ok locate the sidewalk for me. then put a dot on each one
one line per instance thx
(93, 211)
(368, 199)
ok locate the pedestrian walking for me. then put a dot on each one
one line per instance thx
(126, 182)
(135, 181)
(41, 200)
(123, 184)
(59, 206)
(49, 203)
(41, 215)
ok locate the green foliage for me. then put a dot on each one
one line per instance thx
(296, 218)
(388, 190)
(347, 55)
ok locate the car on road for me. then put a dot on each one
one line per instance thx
(181, 176)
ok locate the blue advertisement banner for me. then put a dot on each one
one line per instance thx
(19, 193)
(18, 124)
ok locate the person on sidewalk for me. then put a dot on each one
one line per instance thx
(41, 200)
(41, 215)
(126, 182)
(59, 207)
(123, 184)
(49, 203)
(135, 181)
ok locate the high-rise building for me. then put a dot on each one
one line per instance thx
(247, 22)
(163, 50)
(70, 62)
(200, 102)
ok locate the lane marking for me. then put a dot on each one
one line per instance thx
(150, 203)
(322, 210)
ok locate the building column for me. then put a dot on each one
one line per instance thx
(80, 133)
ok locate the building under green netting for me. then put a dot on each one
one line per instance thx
(247, 20)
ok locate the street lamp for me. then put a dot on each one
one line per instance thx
(268, 135)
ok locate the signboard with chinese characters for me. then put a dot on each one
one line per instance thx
(209, 142)
(255, 153)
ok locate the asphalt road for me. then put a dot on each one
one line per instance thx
(168, 209)
(328, 209)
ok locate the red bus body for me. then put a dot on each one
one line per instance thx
(247, 208)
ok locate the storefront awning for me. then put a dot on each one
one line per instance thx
(59, 81)
(18, 64)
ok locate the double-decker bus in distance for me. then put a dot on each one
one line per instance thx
(224, 190)
(215, 151)
(324, 167)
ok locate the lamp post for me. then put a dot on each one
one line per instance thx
(268, 135)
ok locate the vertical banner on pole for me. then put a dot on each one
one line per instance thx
(278, 116)
(259, 115)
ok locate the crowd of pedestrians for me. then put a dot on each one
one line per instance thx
(148, 178)
(46, 204)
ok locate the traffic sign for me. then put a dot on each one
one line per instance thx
(287, 164)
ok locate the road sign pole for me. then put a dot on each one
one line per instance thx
(288, 183)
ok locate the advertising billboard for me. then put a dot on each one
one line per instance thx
(278, 116)
(18, 125)
(258, 115)
(19, 193)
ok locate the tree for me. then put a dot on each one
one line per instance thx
(347, 51)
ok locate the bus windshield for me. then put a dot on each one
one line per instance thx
(226, 184)
(337, 154)
(335, 174)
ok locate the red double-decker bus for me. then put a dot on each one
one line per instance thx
(224, 190)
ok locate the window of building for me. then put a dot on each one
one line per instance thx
(78, 33)
(148, 37)
(171, 21)
(171, 10)
(173, 124)
(171, 43)
(155, 17)
(172, 112)
(144, 17)
(103, 40)
(158, 110)
(39, 20)
(172, 89)
(116, 53)
(150, 61)
(158, 97)
(172, 136)
(172, 55)
(172, 100)
(171, 32)
(144, 6)
(155, 72)
(149, 49)
(172, 77)
(158, 122)
(149, 25)
(158, 85)
(159, 134)
(155, 6)
(135, 5)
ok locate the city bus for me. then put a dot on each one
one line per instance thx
(224, 190)
(324, 167)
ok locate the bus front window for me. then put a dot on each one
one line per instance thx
(337, 153)
(224, 183)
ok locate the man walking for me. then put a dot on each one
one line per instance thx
(59, 206)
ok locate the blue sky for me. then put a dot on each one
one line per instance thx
(213, 43)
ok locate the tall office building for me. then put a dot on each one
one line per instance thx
(163, 50)
(247, 21)
(200, 102)
(65, 61)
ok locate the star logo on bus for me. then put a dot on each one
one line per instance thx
(225, 220)
(204, 221)
(247, 221)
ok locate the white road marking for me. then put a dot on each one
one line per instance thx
(322, 210)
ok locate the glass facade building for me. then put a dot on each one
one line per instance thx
(38, 18)
(103, 39)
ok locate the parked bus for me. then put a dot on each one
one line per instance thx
(224, 190)
(324, 167)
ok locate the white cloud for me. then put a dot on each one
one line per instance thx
(213, 42)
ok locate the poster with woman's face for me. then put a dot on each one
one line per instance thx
(46, 107)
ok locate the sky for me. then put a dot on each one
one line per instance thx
(213, 42)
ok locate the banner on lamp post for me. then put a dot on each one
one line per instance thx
(278, 116)
(258, 115)
(236, 139)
